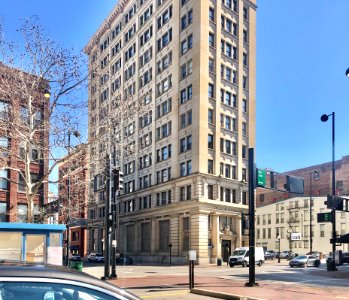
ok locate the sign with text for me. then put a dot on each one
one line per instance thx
(296, 236)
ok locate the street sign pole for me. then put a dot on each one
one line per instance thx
(251, 208)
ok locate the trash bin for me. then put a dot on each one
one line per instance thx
(77, 265)
(331, 266)
(219, 261)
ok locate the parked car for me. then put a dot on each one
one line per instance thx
(315, 253)
(284, 254)
(75, 258)
(93, 257)
(345, 257)
(269, 255)
(124, 260)
(23, 280)
(305, 261)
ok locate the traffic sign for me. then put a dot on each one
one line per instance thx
(261, 177)
(324, 217)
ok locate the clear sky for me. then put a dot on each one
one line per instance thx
(302, 55)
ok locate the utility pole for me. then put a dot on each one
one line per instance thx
(107, 221)
(251, 207)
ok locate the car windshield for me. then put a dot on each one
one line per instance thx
(239, 252)
(301, 257)
(50, 291)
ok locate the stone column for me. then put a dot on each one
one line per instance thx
(199, 236)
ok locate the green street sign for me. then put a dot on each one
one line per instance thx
(324, 217)
(261, 177)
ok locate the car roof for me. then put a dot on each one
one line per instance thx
(40, 270)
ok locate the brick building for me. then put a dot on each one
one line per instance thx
(320, 187)
(72, 196)
(23, 141)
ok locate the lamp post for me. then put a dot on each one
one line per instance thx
(278, 239)
(76, 134)
(324, 118)
(316, 175)
(347, 72)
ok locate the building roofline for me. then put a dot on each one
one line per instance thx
(116, 11)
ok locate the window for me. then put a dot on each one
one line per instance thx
(244, 105)
(186, 94)
(245, 59)
(210, 90)
(211, 40)
(211, 14)
(244, 128)
(210, 141)
(164, 40)
(211, 65)
(187, 44)
(210, 166)
(164, 234)
(186, 234)
(185, 193)
(244, 151)
(245, 36)
(22, 216)
(4, 145)
(165, 17)
(210, 116)
(185, 168)
(187, 19)
(3, 179)
(145, 234)
(146, 15)
(245, 13)
(3, 211)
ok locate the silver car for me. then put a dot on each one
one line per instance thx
(21, 280)
(305, 261)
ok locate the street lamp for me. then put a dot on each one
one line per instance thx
(278, 239)
(316, 175)
(324, 118)
(347, 72)
(77, 135)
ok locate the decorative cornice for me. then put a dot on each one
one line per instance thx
(117, 10)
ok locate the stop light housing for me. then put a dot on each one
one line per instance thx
(334, 202)
(118, 180)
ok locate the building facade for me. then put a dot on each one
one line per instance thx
(285, 217)
(317, 185)
(189, 67)
(72, 198)
(23, 141)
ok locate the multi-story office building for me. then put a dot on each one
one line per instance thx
(292, 216)
(190, 67)
(23, 141)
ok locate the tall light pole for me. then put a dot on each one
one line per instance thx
(76, 134)
(316, 176)
(324, 118)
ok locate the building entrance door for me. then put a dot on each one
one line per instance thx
(226, 249)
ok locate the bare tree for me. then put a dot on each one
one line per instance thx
(33, 126)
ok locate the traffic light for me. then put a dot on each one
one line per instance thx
(245, 224)
(273, 180)
(118, 180)
(294, 184)
(334, 202)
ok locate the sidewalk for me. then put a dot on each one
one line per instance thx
(235, 289)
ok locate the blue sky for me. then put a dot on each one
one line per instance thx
(302, 55)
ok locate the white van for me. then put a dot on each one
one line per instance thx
(240, 256)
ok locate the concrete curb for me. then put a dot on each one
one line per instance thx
(222, 295)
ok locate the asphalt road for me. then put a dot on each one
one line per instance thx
(271, 271)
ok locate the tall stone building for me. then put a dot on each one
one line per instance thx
(189, 68)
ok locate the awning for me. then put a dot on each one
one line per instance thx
(74, 247)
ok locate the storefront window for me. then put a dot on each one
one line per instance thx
(11, 245)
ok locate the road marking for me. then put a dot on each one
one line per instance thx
(164, 294)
